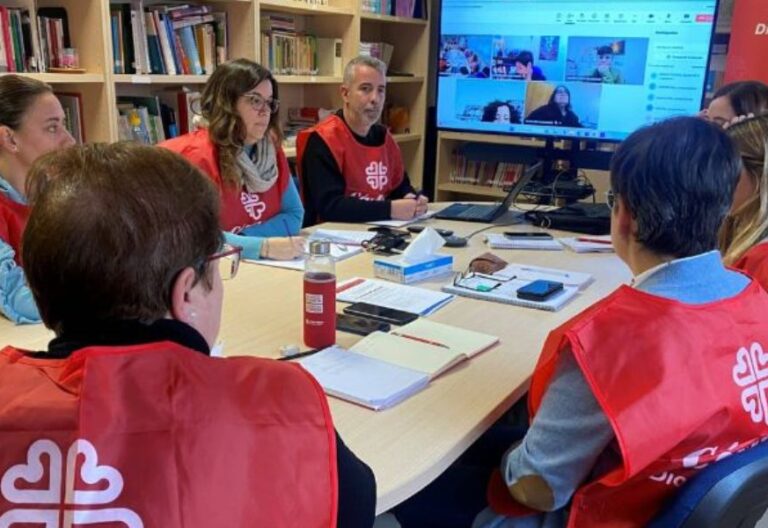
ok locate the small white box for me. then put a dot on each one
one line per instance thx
(398, 270)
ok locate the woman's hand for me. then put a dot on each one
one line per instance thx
(282, 248)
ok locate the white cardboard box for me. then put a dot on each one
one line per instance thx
(398, 270)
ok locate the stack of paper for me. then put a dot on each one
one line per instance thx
(499, 241)
(590, 244)
(390, 295)
(384, 369)
(341, 236)
(362, 379)
(403, 223)
(338, 252)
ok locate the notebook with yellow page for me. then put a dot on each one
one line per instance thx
(382, 369)
(425, 346)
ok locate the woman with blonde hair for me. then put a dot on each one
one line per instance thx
(744, 235)
(238, 147)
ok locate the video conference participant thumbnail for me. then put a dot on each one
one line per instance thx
(464, 56)
(607, 60)
(575, 105)
(527, 58)
(489, 101)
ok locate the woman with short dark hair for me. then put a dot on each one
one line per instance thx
(31, 124)
(238, 147)
(125, 262)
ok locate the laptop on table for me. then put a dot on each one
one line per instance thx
(487, 213)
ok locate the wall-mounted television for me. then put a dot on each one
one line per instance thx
(582, 69)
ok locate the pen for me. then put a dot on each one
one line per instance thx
(300, 354)
(594, 240)
(545, 272)
(420, 340)
(288, 231)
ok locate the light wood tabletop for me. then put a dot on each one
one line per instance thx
(409, 445)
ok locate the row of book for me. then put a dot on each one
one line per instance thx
(400, 8)
(167, 39)
(32, 43)
(288, 52)
(483, 173)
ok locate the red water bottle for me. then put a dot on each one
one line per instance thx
(319, 296)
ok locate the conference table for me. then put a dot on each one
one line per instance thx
(409, 445)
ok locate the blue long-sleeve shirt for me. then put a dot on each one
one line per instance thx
(16, 301)
(568, 438)
(287, 222)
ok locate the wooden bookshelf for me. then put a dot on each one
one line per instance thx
(447, 143)
(90, 30)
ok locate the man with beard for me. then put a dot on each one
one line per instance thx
(350, 167)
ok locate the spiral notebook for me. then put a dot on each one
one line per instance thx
(502, 286)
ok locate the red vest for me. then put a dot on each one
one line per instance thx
(239, 208)
(166, 437)
(13, 218)
(682, 385)
(370, 173)
(755, 263)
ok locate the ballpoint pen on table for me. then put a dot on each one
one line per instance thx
(595, 240)
(420, 339)
(546, 272)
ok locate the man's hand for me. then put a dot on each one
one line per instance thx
(421, 202)
(404, 209)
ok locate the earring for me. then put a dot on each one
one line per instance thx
(193, 314)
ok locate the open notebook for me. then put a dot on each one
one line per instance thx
(384, 369)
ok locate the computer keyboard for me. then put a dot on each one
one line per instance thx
(475, 212)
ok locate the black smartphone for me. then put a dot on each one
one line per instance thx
(359, 325)
(539, 290)
(419, 229)
(527, 234)
(379, 313)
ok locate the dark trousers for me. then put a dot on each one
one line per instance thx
(458, 495)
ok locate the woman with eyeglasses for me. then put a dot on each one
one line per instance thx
(238, 147)
(125, 260)
(31, 124)
(744, 235)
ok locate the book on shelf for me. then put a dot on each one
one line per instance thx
(72, 104)
(329, 59)
(383, 369)
(379, 50)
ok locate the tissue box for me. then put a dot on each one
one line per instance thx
(398, 270)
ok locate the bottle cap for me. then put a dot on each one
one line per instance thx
(319, 247)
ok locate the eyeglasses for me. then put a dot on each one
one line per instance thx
(610, 198)
(260, 104)
(480, 282)
(232, 254)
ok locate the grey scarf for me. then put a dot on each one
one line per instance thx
(259, 168)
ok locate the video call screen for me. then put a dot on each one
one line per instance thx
(579, 68)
